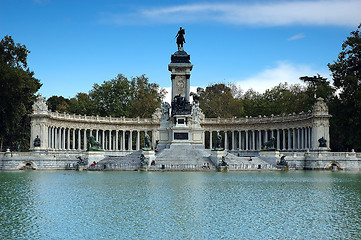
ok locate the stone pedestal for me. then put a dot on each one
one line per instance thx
(271, 157)
(94, 156)
(216, 159)
(149, 156)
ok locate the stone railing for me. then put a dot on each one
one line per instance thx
(98, 119)
(260, 119)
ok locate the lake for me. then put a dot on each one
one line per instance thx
(180, 205)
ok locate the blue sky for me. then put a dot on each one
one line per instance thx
(255, 44)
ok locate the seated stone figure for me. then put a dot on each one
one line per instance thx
(37, 142)
(322, 142)
(94, 145)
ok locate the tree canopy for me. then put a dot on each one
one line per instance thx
(117, 97)
(17, 94)
(346, 107)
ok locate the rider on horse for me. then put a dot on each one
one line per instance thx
(180, 38)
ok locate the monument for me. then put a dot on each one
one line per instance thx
(182, 125)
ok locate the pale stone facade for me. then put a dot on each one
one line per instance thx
(292, 132)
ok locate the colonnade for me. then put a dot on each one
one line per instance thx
(61, 138)
(285, 139)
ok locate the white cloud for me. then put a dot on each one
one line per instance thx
(283, 72)
(275, 13)
(296, 37)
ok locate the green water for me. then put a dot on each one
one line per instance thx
(180, 205)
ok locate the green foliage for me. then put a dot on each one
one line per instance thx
(218, 100)
(17, 94)
(346, 108)
(117, 97)
(58, 103)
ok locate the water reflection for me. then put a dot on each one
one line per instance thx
(176, 205)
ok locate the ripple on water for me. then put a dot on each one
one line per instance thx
(184, 205)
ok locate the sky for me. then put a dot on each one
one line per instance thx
(253, 44)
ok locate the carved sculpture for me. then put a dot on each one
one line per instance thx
(180, 38)
(94, 145)
(37, 142)
(269, 145)
(217, 144)
(147, 143)
(322, 142)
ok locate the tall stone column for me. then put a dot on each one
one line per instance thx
(283, 139)
(79, 139)
(233, 140)
(289, 139)
(85, 141)
(240, 140)
(59, 138)
(253, 141)
(116, 140)
(210, 140)
(73, 139)
(226, 140)
(259, 140)
(68, 140)
(278, 139)
(97, 135)
(123, 140)
(246, 140)
(110, 140)
(137, 141)
(103, 139)
(130, 142)
(309, 138)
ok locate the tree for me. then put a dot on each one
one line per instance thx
(82, 104)
(217, 100)
(129, 98)
(346, 108)
(58, 103)
(17, 94)
(147, 97)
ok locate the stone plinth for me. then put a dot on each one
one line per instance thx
(94, 156)
(271, 157)
(149, 156)
(216, 156)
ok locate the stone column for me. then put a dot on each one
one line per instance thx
(123, 140)
(137, 147)
(309, 138)
(97, 135)
(306, 138)
(59, 138)
(130, 142)
(259, 140)
(225, 140)
(116, 140)
(253, 140)
(283, 139)
(110, 140)
(53, 138)
(265, 135)
(103, 139)
(210, 140)
(278, 139)
(302, 139)
(240, 140)
(247, 139)
(294, 139)
(73, 147)
(85, 141)
(79, 139)
(233, 140)
(298, 139)
(68, 143)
